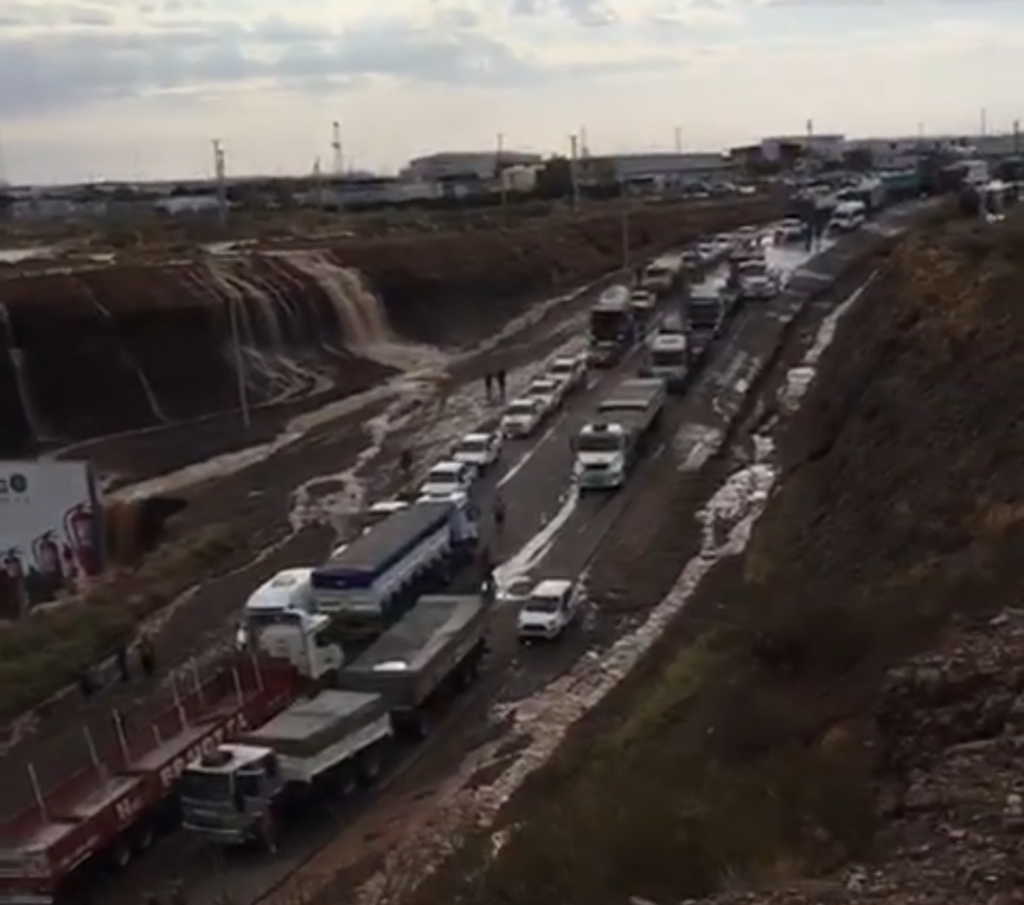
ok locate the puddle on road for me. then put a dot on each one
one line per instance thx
(531, 554)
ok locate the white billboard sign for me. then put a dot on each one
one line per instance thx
(50, 529)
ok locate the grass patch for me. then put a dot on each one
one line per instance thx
(45, 652)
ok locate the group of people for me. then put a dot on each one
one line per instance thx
(146, 653)
(494, 384)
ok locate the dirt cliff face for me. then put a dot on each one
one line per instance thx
(94, 351)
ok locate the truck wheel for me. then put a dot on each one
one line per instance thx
(369, 768)
(121, 854)
(142, 839)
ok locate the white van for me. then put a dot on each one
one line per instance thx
(848, 216)
(548, 611)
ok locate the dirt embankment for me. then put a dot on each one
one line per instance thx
(88, 352)
(784, 733)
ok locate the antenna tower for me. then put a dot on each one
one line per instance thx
(339, 159)
(220, 174)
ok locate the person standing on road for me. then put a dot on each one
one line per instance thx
(489, 385)
(147, 656)
(499, 513)
(121, 662)
(405, 464)
(501, 384)
(85, 683)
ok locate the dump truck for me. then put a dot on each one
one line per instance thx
(610, 443)
(338, 739)
(374, 580)
(612, 327)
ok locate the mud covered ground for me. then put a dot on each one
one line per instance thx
(91, 351)
(779, 733)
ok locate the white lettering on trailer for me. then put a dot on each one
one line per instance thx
(170, 773)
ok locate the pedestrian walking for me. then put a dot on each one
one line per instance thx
(405, 464)
(85, 683)
(147, 656)
(499, 513)
(121, 662)
(489, 385)
(501, 384)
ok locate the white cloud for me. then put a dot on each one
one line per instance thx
(142, 86)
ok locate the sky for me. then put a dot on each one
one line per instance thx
(93, 89)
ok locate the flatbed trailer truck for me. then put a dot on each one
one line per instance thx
(337, 740)
(705, 321)
(610, 443)
(115, 792)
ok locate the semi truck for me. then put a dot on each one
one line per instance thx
(612, 326)
(380, 575)
(705, 319)
(97, 797)
(337, 740)
(610, 443)
(668, 358)
(662, 275)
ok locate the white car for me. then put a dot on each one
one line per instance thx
(549, 610)
(547, 391)
(756, 280)
(571, 370)
(522, 417)
(479, 450)
(791, 229)
(447, 479)
(708, 252)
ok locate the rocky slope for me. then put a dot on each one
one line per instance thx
(88, 352)
(848, 690)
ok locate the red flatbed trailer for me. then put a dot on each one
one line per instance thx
(112, 804)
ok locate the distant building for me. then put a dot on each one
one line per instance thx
(463, 165)
(660, 168)
(824, 147)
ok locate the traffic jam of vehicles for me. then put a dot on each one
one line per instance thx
(338, 662)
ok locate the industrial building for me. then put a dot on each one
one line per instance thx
(660, 168)
(448, 165)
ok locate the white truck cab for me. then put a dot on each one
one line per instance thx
(601, 446)
(289, 590)
(447, 478)
(301, 640)
(548, 611)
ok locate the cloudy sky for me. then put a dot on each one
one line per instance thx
(138, 88)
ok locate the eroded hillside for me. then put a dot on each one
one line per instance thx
(836, 715)
(95, 350)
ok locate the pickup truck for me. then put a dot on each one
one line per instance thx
(550, 608)
(610, 443)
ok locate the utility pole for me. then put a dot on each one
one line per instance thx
(339, 158)
(573, 153)
(500, 170)
(220, 168)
